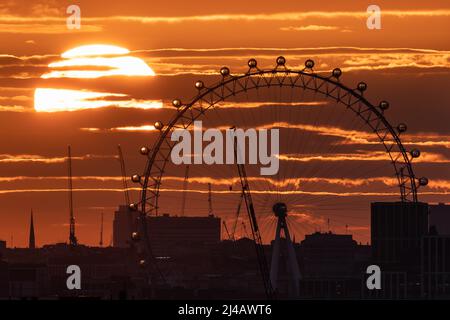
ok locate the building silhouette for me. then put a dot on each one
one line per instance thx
(331, 265)
(414, 262)
(435, 267)
(396, 231)
(439, 218)
(167, 232)
(124, 224)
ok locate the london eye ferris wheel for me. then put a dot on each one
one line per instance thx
(338, 152)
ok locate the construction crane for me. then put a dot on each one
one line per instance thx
(185, 185)
(126, 193)
(210, 199)
(101, 231)
(72, 238)
(238, 211)
(124, 176)
(226, 230)
(263, 266)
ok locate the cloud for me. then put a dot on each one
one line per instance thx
(13, 108)
(296, 183)
(282, 16)
(310, 193)
(305, 217)
(286, 187)
(49, 22)
(361, 156)
(115, 66)
(51, 190)
(179, 61)
(45, 28)
(30, 158)
(142, 128)
(16, 98)
(254, 105)
(311, 27)
(364, 137)
(53, 178)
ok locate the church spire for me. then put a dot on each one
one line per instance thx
(32, 241)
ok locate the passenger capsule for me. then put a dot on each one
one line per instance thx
(309, 64)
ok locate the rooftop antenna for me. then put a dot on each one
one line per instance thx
(210, 199)
(185, 185)
(72, 238)
(101, 231)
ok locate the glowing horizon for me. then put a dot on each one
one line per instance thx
(57, 100)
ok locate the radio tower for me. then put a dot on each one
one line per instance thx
(72, 238)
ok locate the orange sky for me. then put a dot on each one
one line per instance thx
(406, 62)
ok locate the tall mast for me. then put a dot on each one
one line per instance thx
(72, 238)
(101, 231)
(185, 185)
(210, 199)
(124, 176)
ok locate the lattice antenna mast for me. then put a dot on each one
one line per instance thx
(185, 186)
(124, 176)
(72, 238)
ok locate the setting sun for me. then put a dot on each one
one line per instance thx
(92, 62)
(83, 59)
(94, 50)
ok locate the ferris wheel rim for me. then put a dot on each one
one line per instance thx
(408, 191)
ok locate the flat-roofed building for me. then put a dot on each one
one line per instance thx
(396, 231)
(166, 232)
(439, 218)
(123, 218)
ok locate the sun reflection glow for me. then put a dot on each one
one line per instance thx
(54, 100)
